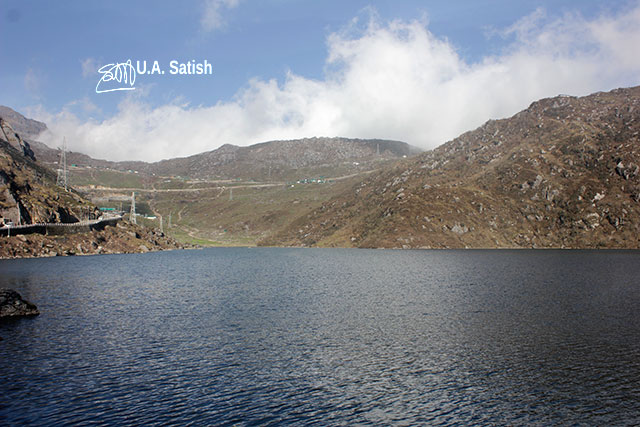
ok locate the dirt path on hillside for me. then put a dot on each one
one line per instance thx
(88, 188)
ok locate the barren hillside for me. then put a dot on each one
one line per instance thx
(562, 173)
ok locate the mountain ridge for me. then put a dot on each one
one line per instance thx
(280, 158)
(561, 173)
(276, 159)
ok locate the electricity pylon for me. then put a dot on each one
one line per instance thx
(132, 214)
(61, 181)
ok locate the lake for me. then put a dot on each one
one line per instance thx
(269, 336)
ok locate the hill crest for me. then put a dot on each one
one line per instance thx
(277, 159)
(562, 173)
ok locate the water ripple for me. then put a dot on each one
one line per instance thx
(326, 337)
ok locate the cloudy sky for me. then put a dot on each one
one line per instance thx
(417, 71)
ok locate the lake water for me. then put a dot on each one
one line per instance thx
(249, 336)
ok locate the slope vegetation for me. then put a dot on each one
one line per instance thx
(562, 173)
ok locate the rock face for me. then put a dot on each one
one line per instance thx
(12, 304)
(27, 128)
(16, 140)
(28, 193)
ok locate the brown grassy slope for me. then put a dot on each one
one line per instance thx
(562, 173)
(244, 217)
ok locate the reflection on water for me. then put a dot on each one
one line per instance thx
(335, 336)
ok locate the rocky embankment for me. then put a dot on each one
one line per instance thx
(123, 238)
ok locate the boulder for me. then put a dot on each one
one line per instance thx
(12, 304)
(459, 229)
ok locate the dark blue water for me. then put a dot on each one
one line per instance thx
(325, 336)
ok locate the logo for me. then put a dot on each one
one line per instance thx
(120, 76)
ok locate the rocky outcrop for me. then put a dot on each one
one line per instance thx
(14, 139)
(29, 194)
(30, 197)
(121, 238)
(28, 128)
(12, 304)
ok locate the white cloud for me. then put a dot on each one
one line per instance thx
(212, 16)
(391, 80)
(89, 67)
(32, 81)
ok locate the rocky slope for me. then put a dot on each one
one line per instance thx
(28, 194)
(123, 238)
(279, 159)
(27, 128)
(562, 173)
(30, 130)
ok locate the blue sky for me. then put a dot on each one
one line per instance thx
(286, 69)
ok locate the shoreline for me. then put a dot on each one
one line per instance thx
(68, 253)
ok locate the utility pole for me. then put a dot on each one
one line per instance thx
(161, 229)
(132, 214)
(169, 225)
(62, 166)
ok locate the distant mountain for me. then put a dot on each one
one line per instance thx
(267, 160)
(562, 173)
(279, 159)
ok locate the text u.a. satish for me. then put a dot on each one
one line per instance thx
(176, 67)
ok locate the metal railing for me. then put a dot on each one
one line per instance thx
(59, 228)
